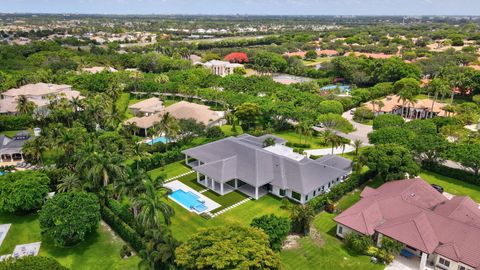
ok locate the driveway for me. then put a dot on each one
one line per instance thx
(361, 130)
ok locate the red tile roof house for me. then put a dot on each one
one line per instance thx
(444, 233)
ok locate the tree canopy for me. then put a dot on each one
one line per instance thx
(23, 191)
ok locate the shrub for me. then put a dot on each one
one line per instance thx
(10, 122)
(121, 211)
(32, 263)
(330, 106)
(454, 173)
(276, 228)
(358, 242)
(69, 217)
(23, 191)
(388, 120)
(214, 132)
(363, 115)
(123, 229)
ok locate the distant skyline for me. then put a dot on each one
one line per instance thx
(252, 7)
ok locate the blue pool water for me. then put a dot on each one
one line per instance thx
(157, 140)
(343, 88)
(2, 173)
(189, 200)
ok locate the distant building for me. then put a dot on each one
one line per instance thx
(147, 107)
(38, 93)
(445, 233)
(94, 70)
(424, 108)
(180, 110)
(11, 148)
(221, 68)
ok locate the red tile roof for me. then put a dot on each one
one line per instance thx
(414, 213)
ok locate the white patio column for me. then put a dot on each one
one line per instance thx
(221, 188)
(186, 159)
(21, 156)
(256, 193)
(379, 240)
(213, 183)
(198, 177)
(423, 261)
(236, 183)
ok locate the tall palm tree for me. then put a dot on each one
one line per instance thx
(152, 207)
(25, 106)
(169, 125)
(70, 182)
(302, 216)
(357, 144)
(331, 138)
(101, 168)
(77, 104)
(411, 100)
(404, 96)
(34, 149)
(159, 252)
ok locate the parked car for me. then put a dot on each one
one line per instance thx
(438, 188)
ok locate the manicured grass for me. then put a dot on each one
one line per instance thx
(170, 170)
(227, 130)
(293, 137)
(185, 223)
(100, 250)
(122, 106)
(319, 60)
(11, 133)
(327, 253)
(452, 186)
(169, 102)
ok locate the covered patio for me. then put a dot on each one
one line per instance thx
(251, 191)
(221, 188)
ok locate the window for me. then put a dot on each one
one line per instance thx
(340, 230)
(444, 262)
(296, 195)
(462, 267)
(282, 192)
(306, 197)
(314, 193)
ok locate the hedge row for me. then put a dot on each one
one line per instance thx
(11, 122)
(354, 181)
(298, 145)
(123, 229)
(454, 173)
(160, 159)
(121, 211)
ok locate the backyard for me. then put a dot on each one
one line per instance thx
(294, 137)
(100, 250)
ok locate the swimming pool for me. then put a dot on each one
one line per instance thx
(343, 88)
(189, 200)
(157, 140)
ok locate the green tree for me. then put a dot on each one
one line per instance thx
(336, 122)
(69, 182)
(31, 263)
(69, 217)
(23, 191)
(430, 149)
(25, 106)
(330, 106)
(358, 242)
(468, 154)
(310, 55)
(331, 138)
(388, 120)
(248, 114)
(227, 247)
(391, 135)
(277, 229)
(153, 209)
(33, 149)
(159, 252)
(301, 217)
(390, 161)
(268, 62)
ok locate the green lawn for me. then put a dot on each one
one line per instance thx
(122, 106)
(170, 170)
(293, 137)
(169, 102)
(227, 130)
(185, 223)
(317, 61)
(453, 186)
(100, 250)
(11, 133)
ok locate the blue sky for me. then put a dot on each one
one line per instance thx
(287, 7)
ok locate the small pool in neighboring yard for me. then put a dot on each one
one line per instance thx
(189, 200)
(162, 139)
(343, 88)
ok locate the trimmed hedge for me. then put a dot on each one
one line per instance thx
(121, 211)
(12, 122)
(298, 145)
(160, 159)
(454, 173)
(355, 180)
(123, 229)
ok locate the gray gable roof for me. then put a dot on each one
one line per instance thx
(243, 158)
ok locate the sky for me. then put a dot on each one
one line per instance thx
(254, 7)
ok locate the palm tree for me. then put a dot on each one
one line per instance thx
(403, 96)
(357, 144)
(169, 126)
(411, 100)
(77, 104)
(34, 149)
(25, 106)
(152, 208)
(302, 216)
(159, 252)
(331, 138)
(70, 182)
(162, 79)
(101, 168)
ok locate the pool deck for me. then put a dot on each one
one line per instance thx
(3, 232)
(176, 185)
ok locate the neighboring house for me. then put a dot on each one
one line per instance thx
(11, 148)
(242, 163)
(419, 110)
(94, 70)
(441, 232)
(195, 59)
(221, 68)
(39, 93)
(147, 107)
(180, 110)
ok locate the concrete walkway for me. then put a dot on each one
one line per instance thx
(328, 151)
(361, 130)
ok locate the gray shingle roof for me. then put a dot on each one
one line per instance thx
(244, 158)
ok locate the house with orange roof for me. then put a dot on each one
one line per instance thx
(422, 109)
